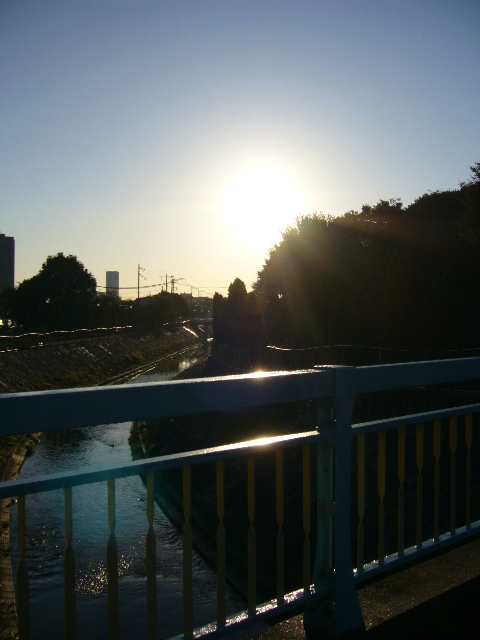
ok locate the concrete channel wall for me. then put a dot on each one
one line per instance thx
(86, 362)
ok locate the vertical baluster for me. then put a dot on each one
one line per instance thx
(437, 443)
(306, 520)
(252, 551)
(112, 566)
(323, 567)
(187, 555)
(468, 471)
(151, 561)
(401, 490)
(419, 536)
(23, 607)
(280, 536)
(361, 501)
(382, 438)
(69, 572)
(330, 507)
(221, 570)
(453, 474)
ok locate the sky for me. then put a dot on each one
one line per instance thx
(185, 136)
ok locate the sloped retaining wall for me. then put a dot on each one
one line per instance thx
(86, 362)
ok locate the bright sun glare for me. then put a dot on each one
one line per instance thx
(259, 203)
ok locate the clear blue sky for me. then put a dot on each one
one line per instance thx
(182, 136)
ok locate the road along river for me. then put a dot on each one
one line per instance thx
(45, 531)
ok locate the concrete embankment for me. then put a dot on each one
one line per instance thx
(86, 362)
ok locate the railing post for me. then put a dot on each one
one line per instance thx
(151, 561)
(339, 613)
(112, 567)
(69, 572)
(23, 606)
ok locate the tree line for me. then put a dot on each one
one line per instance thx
(388, 275)
(63, 296)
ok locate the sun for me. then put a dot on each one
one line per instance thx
(259, 203)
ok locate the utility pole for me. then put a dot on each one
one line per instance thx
(138, 291)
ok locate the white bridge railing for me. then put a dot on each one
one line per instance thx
(327, 591)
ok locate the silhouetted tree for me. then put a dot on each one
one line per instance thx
(111, 311)
(401, 277)
(469, 219)
(237, 294)
(61, 296)
(237, 320)
(161, 308)
(6, 304)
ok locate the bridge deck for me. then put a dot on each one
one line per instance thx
(434, 599)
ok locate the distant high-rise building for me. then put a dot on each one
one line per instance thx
(113, 282)
(7, 262)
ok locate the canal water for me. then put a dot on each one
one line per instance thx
(45, 526)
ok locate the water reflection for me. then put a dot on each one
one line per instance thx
(45, 526)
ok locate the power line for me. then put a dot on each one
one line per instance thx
(172, 281)
(143, 286)
(162, 284)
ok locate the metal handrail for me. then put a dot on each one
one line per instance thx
(334, 391)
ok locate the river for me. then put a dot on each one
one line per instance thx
(45, 527)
